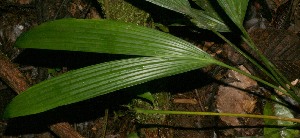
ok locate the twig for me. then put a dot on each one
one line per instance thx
(11, 75)
(64, 130)
(105, 123)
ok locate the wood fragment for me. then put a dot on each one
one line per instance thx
(64, 130)
(12, 76)
(185, 101)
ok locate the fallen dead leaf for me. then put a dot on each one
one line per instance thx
(233, 100)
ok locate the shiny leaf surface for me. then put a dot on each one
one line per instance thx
(276, 109)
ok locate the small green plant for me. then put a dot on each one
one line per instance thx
(160, 54)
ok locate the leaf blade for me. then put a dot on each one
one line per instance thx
(235, 9)
(181, 6)
(272, 108)
(206, 20)
(105, 36)
(97, 80)
(170, 55)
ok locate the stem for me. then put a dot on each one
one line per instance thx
(279, 77)
(143, 111)
(275, 73)
(251, 76)
(105, 124)
(245, 55)
(294, 96)
(268, 64)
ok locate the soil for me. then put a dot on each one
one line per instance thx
(206, 90)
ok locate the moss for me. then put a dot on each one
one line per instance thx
(123, 11)
(161, 102)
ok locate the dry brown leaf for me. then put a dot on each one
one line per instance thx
(233, 100)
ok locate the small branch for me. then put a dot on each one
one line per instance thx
(64, 130)
(16, 80)
(11, 75)
(105, 123)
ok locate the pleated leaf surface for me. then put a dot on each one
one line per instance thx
(105, 36)
(165, 55)
(235, 9)
(206, 18)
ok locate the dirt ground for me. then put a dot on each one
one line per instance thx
(204, 90)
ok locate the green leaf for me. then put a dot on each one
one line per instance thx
(147, 96)
(92, 81)
(181, 6)
(206, 5)
(105, 36)
(235, 9)
(207, 19)
(133, 135)
(277, 109)
(170, 56)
